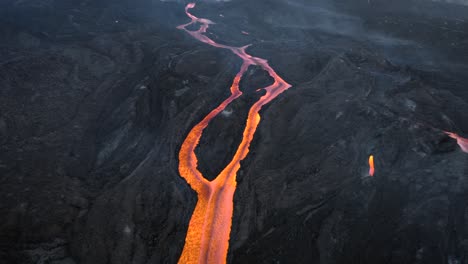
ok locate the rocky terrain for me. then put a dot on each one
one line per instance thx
(97, 97)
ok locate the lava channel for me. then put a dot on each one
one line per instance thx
(207, 239)
(462, 142)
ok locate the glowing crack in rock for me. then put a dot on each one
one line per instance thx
(462, 142)
(371, 165)
(207, 239)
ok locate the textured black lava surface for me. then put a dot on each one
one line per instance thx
(96, 98)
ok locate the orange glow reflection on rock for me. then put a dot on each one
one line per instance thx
(462, 142)
(207, 239)
(371, 165)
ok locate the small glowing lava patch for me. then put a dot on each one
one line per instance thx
(371, 166)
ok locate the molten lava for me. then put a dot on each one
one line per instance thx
(462, 142)
(207, 237)
(371, 165)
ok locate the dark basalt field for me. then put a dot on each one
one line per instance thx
(96, 98)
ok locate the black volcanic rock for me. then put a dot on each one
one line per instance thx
(98, 96)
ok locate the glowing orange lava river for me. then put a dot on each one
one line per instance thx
(208, 233)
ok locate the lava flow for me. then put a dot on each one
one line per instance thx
(208, 233)
(462, 142)
(371, 165)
